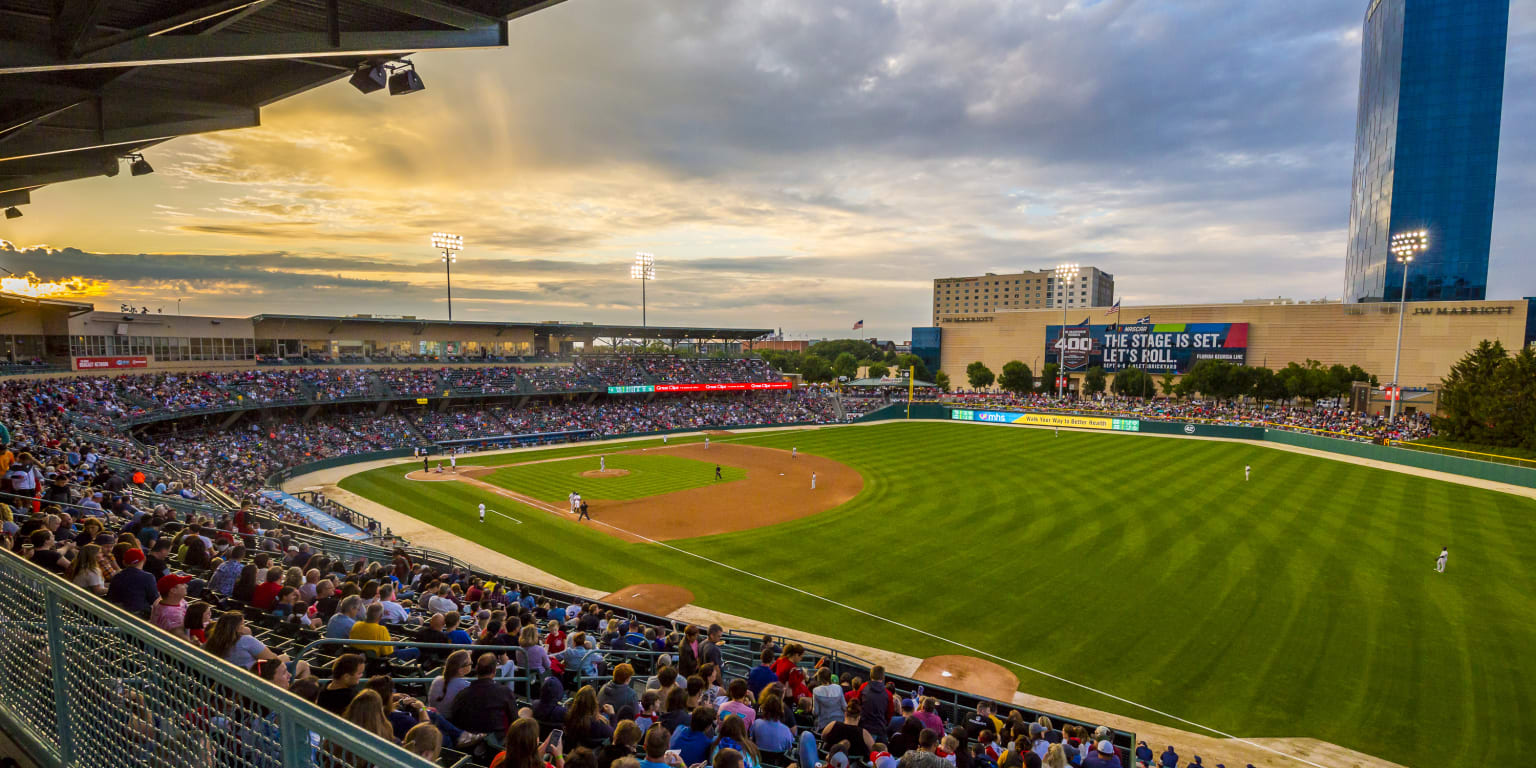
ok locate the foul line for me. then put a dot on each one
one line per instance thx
(972, 649)
(507, 516)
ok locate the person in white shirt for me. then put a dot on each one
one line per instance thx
(442, 602)
(576, 504)
(1246, 469)
(572, 500)
(453, 461)
(1445, 552)
(482, 512)
(394, 613)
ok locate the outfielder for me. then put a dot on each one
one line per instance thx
(1445, 552)
(1246, 469)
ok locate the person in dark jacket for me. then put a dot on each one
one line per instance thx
(132, 589)
(876, 701)
(485, 706)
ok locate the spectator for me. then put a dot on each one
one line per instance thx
(170, 611)
(535, 658)
(769, 731)
(693, 740)
(424, 741)
(656, 741)
(1102, 756)
(47, 554)
(483, 706)
(524, 750)
(394, 613)
(827, 699)
(448, 685)
(132, 589)
(925, 755)
(1169, 758)
(585, 724)
(851, 730)
(231, 640)
(266, 592)
(738, 702)
(85, 570)
(762, 674)
(341, 623)
(346, 674)
(617, 694)
(1055, 757)
(370, 629)
(547, 708)
(732, 734)
(928, 715)
(876, 704)
(195, 623)
(245, 586)
(625, 736)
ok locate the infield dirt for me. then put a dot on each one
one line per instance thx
(777, 488)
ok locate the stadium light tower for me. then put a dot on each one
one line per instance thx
(1403, 245)
(1065, 273)
(450, 245)
(644, 270)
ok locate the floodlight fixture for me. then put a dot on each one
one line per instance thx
(13, 212)
(1065, 273)
(405, 80)
(450, 245)
(644, 270)
(1403, 245)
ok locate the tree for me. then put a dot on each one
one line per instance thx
(814, 368)
(979, 375)
(1267, 385)
(1048, 374)
(910, 360)
(1093, 381)
(1016, 378)
(784, 361)
(1468, 395)
(859, 348)
(878, 370)
(941, 380)
(845, 365)
(1169, 384)
(1133, 382)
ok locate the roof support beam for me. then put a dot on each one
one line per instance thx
(438, 11)
(131, 134)
(103, 167)
(74, 22)
(11, 127)
(167, 24)
(17, 57)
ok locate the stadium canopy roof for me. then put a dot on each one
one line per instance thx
(84, 83)
(579, 330)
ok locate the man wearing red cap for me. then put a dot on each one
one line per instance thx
(170, 611)
(133, 589)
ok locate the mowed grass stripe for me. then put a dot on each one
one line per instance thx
(650, 475)
(1301, 603)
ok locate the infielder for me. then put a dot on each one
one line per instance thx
(571, 500)
(577, 508)
(602, 463)
(453, 461)
(1445, 552)
(813, 481)
(793, 451)
(482, 512)
(706, 443)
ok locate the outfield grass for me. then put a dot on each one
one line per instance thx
(1302, 603)
(649, 475)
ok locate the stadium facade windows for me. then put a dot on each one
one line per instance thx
(164, 348)
(1426, 146)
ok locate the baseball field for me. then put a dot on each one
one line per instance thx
(1300, 603)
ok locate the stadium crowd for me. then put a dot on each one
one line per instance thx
(1337, 421)
(145, 527)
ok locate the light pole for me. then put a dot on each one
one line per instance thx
(1065, 273)
(450, 245)
(644, 270)
(1403, 245)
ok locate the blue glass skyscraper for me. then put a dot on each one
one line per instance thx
(1426, 146)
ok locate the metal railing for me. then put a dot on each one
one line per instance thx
(83, 684)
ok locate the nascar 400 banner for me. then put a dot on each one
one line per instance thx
(1155, 348)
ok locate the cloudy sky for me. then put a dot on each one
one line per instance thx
(792, 163)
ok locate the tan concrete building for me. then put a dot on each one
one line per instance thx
(1435, 334)
(985, 294)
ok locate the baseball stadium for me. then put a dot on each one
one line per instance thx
(292, 540)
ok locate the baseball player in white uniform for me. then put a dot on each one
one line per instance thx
(1246, 470)
(572, 500)
(482, 512)
(1445, 552)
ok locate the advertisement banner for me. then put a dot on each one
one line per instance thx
(1047, 420)
(108, 363)
(316, 518)
(726, 387)
(1151, 347)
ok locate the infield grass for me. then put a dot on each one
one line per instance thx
(648, 476)
(1302, 603)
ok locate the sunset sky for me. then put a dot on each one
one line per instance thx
(795, 163)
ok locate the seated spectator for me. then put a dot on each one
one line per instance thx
(394, 613)
(370, 628)
(195, 622)
(85, 570)
(617, 694)
(762, 674)
(524, 750)
(925, 755)
(827, 699)
(693, 741)
(48, 554)
(1102, 756)
(769, 731)
(446, 686)
(732, 734)
(547, 708)
(859, 739)
(457, 634)
(738, 702)
(625, 736)
(170, 611)
(424, 741)
(346, 674)
(585, 724)
(132, 589)
(231, 640)
(265, 593)
(483, 706)
(340, 625)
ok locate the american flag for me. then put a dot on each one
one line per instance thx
(858, 325)
(1113, 310)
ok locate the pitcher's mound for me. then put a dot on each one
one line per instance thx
(655, 599)
(605, 473)
(969, 674)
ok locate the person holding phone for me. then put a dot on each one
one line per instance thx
(522, 748)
